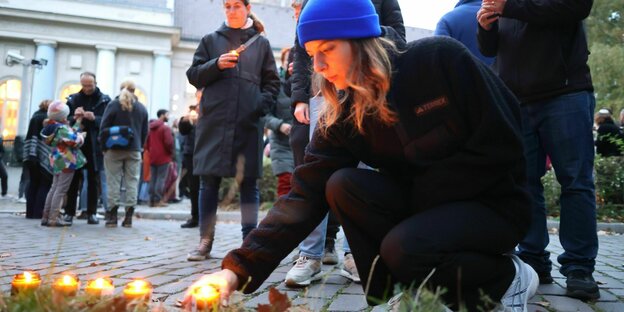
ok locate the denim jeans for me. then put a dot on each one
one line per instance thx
(158, 175)
(209, 199)
(561, 128)
(314, 245)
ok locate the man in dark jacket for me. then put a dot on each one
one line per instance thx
(91, 102)
(159, 143)
(541, 54)
(392, 27)
(187, 129)
(461, 24)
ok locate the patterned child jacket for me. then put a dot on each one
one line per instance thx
(65, 142)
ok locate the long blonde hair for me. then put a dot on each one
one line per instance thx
(126, 97)
(368, 84)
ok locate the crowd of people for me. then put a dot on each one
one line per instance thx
(429, 154)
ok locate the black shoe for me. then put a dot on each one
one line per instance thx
(581, 285)
(545, 278)
(174, 200)
(82, 216)
(92, 219)
(190, 223)
(44, 222)
(68, 219)
(58, 222)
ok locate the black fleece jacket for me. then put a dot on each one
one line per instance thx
(540, 48)
(458, 139)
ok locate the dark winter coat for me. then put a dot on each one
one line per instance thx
(458, 138)
(608, 132)
(281, 155)
(137, 118)
(540, 48)
(96, 103)
(229, 126)
(159, 143)
(188, 131)
(34, 151)
(461, 24)
(392, 28)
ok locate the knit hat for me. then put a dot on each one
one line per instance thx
(58, 111)
(337, 19)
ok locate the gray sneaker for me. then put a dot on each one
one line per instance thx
(202, 252)
(305, 271)
(522, 288)
(349, 270)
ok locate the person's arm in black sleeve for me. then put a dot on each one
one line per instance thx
(391, 17)
(270, 83)
(548, 12)
(204, 69)
(302, 71)
(488, 40)
(292, 218)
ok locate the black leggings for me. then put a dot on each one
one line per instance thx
(3, 177)
(463, 241)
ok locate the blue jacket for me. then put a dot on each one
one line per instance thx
(461, 24)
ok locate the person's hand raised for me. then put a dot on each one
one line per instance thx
(227, 60)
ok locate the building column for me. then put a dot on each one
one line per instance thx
(44, 80)
(161, 83)
(105, 69)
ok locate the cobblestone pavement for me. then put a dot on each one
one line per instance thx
(156, 250)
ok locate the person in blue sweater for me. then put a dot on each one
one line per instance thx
(461, 24)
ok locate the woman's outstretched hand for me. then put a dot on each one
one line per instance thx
(225, 281)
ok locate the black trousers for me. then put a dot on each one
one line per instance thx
(193, 183)
(299, 138)
(3, 177)
(463, 241)
(37, 191)
(92, 181)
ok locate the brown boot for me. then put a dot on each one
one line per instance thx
(127, 222)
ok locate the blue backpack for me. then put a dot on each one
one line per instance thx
(120, 136)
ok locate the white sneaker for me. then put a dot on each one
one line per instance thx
(349, 270)
(305, 271)
(21, 200)
(7, 196)
(522, 288)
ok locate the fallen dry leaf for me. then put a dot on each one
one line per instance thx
(147, 238)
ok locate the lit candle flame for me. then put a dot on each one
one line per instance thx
(27, 277)
(234, 52)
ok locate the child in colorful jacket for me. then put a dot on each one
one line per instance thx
(65, 159)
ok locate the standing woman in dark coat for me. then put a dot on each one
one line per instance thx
(238, 91)
(36, 154)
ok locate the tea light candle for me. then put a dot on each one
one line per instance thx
(102, 286)
(206, 297)
(68, 285)
(138, 290)
(234, 52)
(24, 282)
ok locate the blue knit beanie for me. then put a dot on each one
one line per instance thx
(337, 19)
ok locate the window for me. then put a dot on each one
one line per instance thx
(10, 92)
(68, 89)
(141, 96)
